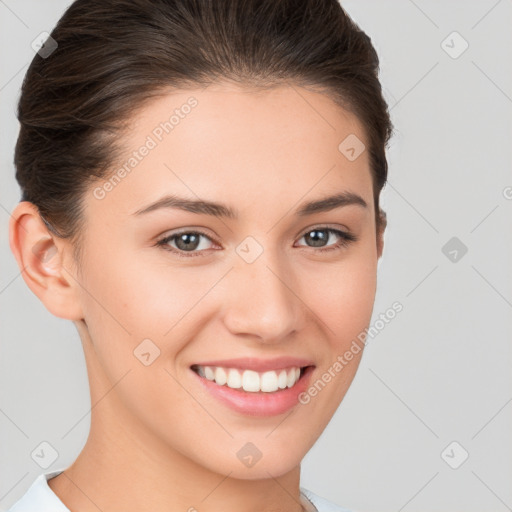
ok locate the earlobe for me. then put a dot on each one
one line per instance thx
(40, 256)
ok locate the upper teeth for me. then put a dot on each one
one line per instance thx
(250, 380)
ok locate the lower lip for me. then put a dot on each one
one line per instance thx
(258, 403)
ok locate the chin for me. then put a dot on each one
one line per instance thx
(263, 469)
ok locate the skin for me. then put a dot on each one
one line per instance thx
(157, 440)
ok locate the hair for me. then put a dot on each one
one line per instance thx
(113, 56)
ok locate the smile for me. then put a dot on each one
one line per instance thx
(253, 386)
(250, 380)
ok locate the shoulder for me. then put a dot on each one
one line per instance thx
(39, 497)
(323, 505)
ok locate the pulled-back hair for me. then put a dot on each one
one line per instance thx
(113, 55)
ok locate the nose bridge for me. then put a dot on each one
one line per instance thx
(263, 302)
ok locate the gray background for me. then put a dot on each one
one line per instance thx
(439, 372)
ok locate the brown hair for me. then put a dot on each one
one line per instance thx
(114, 55)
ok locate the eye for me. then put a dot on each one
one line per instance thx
(186, 241)
(190, 241)
(320, 235)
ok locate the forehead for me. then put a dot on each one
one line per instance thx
(247, 147)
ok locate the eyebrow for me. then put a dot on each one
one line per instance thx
(214, 209)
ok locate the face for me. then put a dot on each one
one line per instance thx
(168, 288)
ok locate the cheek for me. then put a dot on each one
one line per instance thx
(119, 309)
(342, 300)
(128, 309)
(343, 297)
(128, 301)
(136, 297)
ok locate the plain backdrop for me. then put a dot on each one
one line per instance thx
(426, 424)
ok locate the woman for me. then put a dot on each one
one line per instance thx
(200, 196)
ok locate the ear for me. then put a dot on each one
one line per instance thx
(45, 262)
(380, 232)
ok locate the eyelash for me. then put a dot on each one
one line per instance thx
(346, 239)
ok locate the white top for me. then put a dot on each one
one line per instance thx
(39, 497)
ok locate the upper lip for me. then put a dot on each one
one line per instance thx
(258, 365)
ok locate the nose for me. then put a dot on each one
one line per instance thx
(264, 301)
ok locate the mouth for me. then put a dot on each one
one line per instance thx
(251, 381)
(254, 386)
